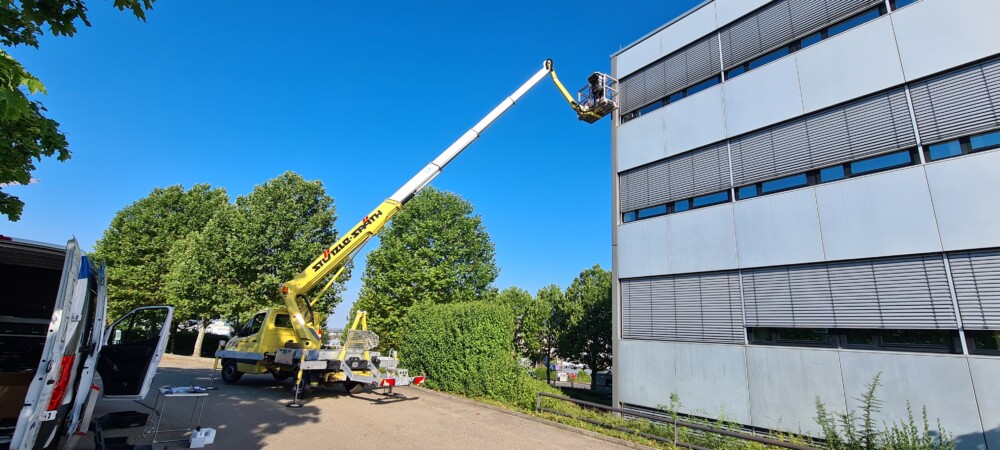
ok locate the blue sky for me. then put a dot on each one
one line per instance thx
(360, 95)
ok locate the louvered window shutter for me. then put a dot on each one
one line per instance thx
(957, 103)
(688, 308)
(868, 127)
(898, 293)
(977, 286)
(780, 23)
(702, 171)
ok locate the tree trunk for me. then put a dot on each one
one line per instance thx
(201, 337)
(173, 336)
(593, 376)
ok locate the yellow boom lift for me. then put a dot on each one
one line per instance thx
(284, 341)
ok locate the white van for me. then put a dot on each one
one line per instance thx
(53, 337)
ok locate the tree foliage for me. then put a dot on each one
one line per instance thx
(531, 316)
(137, 245)
(281, 226)
(26, 135)
(212, 259)
(583, 319)
(552, 297)
(202, 282)
(434, 251)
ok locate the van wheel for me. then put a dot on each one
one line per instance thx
(230, 374)
(353, 387)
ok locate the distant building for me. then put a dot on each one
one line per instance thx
(806, 195)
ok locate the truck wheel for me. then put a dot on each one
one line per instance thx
(281, 376)
(230, 374)
(353, 387)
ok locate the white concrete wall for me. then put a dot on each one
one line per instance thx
(702, 240)
(645, 245)
(859, 62)
(642, 140)
(696, 121)
(785, 382)
(762, 97)
(777, 387)
(779, 229)
(965, 190)
(727, 11)
(936, 35)
(668, 40)
(878, 215)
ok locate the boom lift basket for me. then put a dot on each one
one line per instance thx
(598, 98)
(360, 341)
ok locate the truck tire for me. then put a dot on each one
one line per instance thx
(280, 376)
(353, 387)
(230, 374)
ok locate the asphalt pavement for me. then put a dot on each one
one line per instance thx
(252, 414)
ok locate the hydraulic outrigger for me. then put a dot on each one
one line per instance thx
(355, 365)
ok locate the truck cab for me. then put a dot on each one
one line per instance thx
(265, 333)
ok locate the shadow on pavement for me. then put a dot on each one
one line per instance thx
(384, 398)
(243, 415)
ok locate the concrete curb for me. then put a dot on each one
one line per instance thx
(510, 412)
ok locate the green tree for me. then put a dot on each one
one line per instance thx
(434, 251)
(137, 244)
(280, 227)
(203, 283)
(583, 320)
(26, 135)
(552, 297)
(531, 316)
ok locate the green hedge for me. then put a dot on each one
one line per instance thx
(466, 348)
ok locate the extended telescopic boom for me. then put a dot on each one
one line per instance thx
(339, 254)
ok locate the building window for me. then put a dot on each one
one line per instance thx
(831, 174)
(746, 192)
(691, 90)
(851, 169)
(929, 341)
(811, 39)
(857, 20)
(784, 184)
(985, 141)
(944, 150)
(770, 57)
(652, 211)
(804, 337)
(880, 163)
(701, 86)
(710, 199)
(963, 146)
(896, 4)
(983, 342)
(677, 206)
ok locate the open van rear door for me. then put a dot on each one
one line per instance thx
(133, 347)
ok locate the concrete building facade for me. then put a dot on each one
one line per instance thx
(805, 196)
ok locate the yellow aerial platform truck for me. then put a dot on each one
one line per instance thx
(284, 341)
